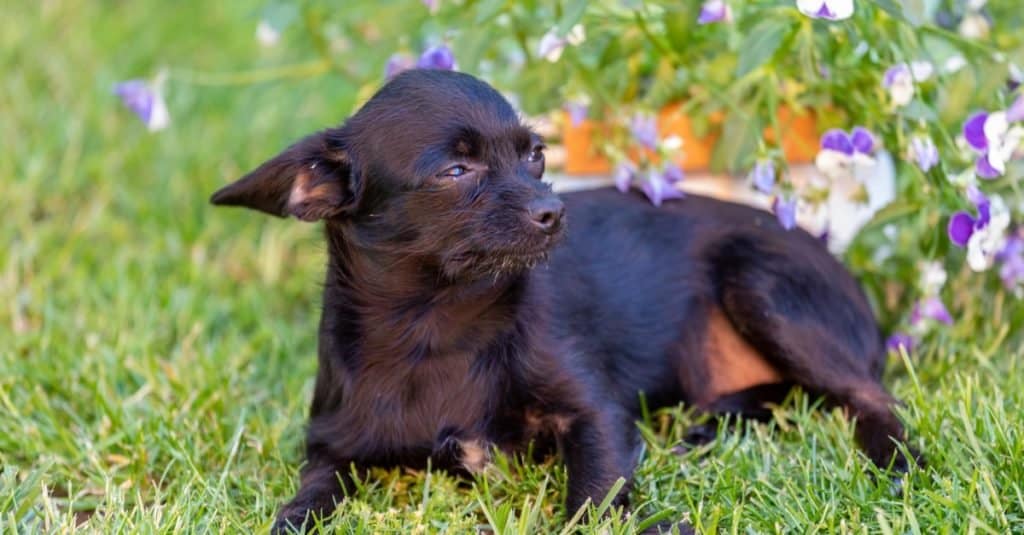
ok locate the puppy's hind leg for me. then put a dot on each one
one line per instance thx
(821, 335)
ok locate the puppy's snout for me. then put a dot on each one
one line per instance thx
(546, 214)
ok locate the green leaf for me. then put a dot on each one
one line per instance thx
(763, 42)
(571, 14)
(739, 138)
(892, 8)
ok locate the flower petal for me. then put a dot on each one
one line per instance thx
(974, 131)
(644, 128)
(961, 226)
(551, 46)
(785, 211)
(438, 57)
(892, 74)
(837, 140)
(984, 168)
(577, 112)
(714, 11)
(658, 189)
(899, 340)
(930, 308)
(397, 63)
(924, 152)
(673, 173)
(137, 96)
(624, 174)
(763, 176)
(862, 140)
(1015, 112)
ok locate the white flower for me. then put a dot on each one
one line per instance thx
(552, 45)
(826, 9)
(266, 34)
(987, 241)
(933, 278)
(954, 63)
(973, 26)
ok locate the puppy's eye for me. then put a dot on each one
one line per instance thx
(536, 155)
(455, 171)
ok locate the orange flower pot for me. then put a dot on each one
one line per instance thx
(799, 142)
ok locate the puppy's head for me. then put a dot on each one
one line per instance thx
(436, 166)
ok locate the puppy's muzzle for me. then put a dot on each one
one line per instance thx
(546, 214)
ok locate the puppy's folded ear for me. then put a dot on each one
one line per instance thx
(310, 180)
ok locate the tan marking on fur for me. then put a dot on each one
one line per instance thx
(475, 455)
(733, 365)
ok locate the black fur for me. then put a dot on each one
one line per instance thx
(460, 311)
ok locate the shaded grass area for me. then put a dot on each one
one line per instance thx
(157, 356)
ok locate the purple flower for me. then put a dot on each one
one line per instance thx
(673, 173)
(899, 80)
(432, 5)
(924, 152)
(982, 235)
(837, 140)
(146, 101)
(714, 11)
(763, 176)
(660, 186)
(862, 140)
(645, 130)
(840, 151)
(826, 9)
(994, 138)
(1015, 113)
(396, 64)
(1012, 257)
(785, 211)
(438, 57)
(624, 174)
(900, 340)
(930, 308)
(577, 111)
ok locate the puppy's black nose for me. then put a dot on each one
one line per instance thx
(546, 214)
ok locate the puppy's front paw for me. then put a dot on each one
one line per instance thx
(293, 519)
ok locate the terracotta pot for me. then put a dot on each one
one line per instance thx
(800, 142)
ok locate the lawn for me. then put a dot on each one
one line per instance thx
(157, 355)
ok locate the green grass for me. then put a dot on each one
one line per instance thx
(157, 355)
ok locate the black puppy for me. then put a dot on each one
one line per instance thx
(466, 307)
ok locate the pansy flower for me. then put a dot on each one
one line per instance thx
(930, 308)
(396, 64)
(826, 9)
(994, 138)
(762, 176)
(840, 151)
(644, 128)
(660, 186)
(898, 341)
(578, 110)
(784, 208)
(924, 152)
(438, 57)
(714, 11)
(982, 235)
(552, 45)
(1011, 257)
(625, 172)
(146, 101)
(899, 80)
